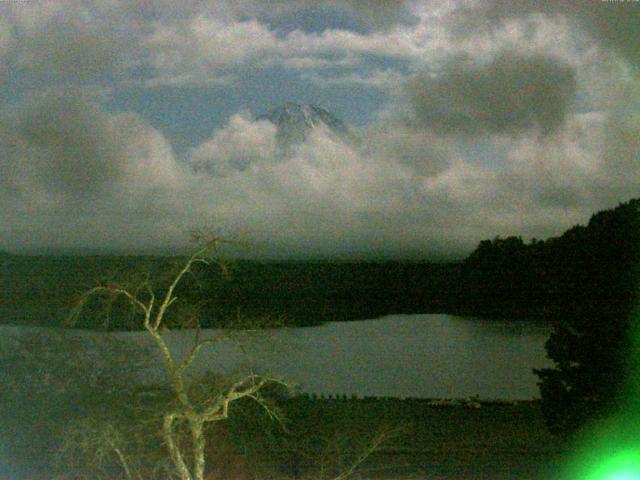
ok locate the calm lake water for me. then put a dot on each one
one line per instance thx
(419, 356)
(432, 356)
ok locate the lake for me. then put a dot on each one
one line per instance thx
(428, 356)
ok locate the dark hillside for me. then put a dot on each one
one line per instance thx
(42, 289)
(588, 268)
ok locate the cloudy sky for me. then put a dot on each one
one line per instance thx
(495, 117)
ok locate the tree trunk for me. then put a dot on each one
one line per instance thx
(174, 450)
(198, 441)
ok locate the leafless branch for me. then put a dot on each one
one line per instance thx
(375, 443)
(193, 353)
(185, 412)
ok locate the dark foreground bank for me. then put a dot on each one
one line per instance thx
(443, 439)
(323, 437)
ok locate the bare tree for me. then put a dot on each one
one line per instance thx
(188, 411)
(182, 408)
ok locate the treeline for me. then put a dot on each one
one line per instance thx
(590, 268)
(42, 289)
(311, 293)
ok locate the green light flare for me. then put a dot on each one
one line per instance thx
(624, 465)
(610, 449)
(607, 450)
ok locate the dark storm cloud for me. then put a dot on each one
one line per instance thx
(510, 94)
(71, 144)
(613, 24)
(74, 175)
(61, 145)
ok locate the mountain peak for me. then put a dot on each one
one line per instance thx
(295, 121)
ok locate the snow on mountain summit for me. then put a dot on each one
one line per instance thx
(273, 137)
(295, 121)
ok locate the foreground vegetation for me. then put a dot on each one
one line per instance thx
(323, 438)
(444, 440)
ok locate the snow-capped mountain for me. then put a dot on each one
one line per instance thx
(296, 121)
(242, 143)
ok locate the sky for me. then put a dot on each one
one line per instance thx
(477, 119)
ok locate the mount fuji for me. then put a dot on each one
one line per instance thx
(296, 121)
